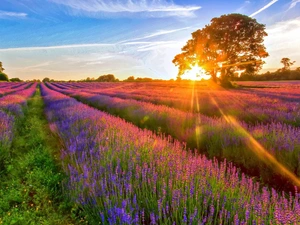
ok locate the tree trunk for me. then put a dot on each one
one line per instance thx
(214, 76)
(225, 82)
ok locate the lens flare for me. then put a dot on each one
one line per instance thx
(258, 149)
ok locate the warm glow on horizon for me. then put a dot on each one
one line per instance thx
(196, 73)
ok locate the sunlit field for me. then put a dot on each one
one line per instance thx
(166, 152)
(152, 112)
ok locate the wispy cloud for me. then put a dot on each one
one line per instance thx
(146, 43)
(35, 67)
(151, 45)
(244, 6)
(159, 45)
(89, 59)
(264, 8)
(5, 14)
(134, 41)
(283, 41)
(54, 47)
(158, 33)
(152, 8)
(293, 4)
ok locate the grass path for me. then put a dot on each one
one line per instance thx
(31, 190)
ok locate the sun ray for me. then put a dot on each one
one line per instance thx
(261, 153)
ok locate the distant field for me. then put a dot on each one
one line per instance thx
(169, 152)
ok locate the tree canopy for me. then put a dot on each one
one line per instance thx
(15, 79)
(3, 77)
(130, 79)
(106, 78)
(46, 79)
(139, 79)
(229, 43)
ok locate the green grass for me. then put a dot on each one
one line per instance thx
(31, 189)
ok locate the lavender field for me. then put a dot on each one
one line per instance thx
(239, 122)
(152, 112)
(167, 152)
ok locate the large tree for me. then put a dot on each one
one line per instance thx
(229, 43)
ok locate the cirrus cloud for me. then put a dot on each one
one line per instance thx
(293, 4)
(5, 14)
(154, 8)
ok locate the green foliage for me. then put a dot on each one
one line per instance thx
(277, 75)
(231, 42)
(46, 79)
(139, 79)
(31, 190)
(145, 79)
(102, 78)
(3, 77)
(130, 79)
(16, 79)
(284, 73)
(106, 78)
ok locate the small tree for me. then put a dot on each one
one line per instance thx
(287, 64)
(46, 79)
(106, 78)
(16, 79)
(1, 68)
(130, 79)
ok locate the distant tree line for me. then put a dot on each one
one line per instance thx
(107, 78)
(102, 78)
(277, 75)
(111, 78)
(139, 79)
(284, 73)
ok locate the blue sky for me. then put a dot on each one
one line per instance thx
(87, 38)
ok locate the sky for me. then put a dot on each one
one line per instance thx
(75, 39)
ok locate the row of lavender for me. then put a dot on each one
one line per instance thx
(218, 137)
(11, 109)
(9, 87)
(120, 174)
(275, 104)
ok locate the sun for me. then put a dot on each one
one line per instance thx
(196, 73)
